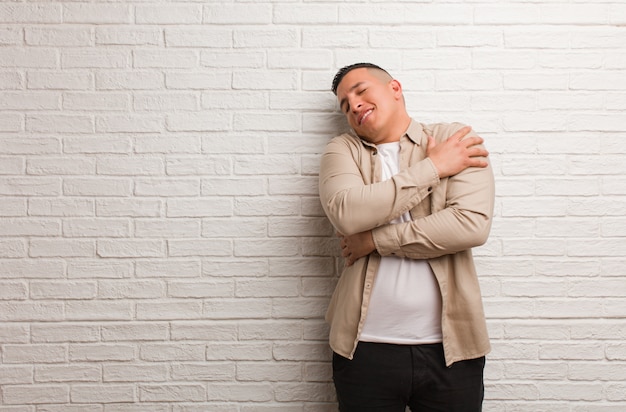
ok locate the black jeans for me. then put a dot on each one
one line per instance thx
(387, 378)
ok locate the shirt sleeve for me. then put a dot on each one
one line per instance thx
(353, 206)
(464, 222)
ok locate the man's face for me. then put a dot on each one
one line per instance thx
(370, 99)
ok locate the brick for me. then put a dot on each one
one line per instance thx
(309, 59)
(318, 392)
(15, 375)
(96, 101)
(211, 371)
(172, 352)
(101, 352)
(29, 100)
(130, 248)
(166, 14)
(130, 289)
(64, 332)
(134, 331)
(573, 14)
(129, 124)
(86, 13)
(305, 14)
(283, 372)
(13, 290)
(30, 13)
(29, 227)
(276, 37)
(302, 308)
(167, 268)
(264, 330)
(273, 80)
(198, 37)
(220, 308)
(11, 122)
(273, 122)
(98, 310)
(128, 35)
(173, 228)
(204, 330)
(275, 287)
(233, 186)
(128, 207)
(227, 60)
(169, 311)
(102, 393)
(34, 354)
(198, 122)
(39, 268)
(102, 144)
(88, 227)
(204, 289)
(232, 100)
(35, 394)
(238, 14)
(134, 373)
(167, 187)
(270, 206)
(11, 80)
(60, 166)
(165, 102)
(244, 392)
(87, 59)
(96, 187)
(99, 269)
(62, 290)
(124, 166)
(67, 373)
(63, 37)
(170, 59)
(135, 80)
(171, 393)
(213, 80)
(51, 80)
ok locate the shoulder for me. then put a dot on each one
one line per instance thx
(441, 131)
(345, 141)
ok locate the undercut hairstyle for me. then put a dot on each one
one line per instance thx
(347, 69)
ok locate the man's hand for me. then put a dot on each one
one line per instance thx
(356, 246)
(456, 153)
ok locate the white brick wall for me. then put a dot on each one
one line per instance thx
(162, 247)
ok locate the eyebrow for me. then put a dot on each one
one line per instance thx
(343, 101)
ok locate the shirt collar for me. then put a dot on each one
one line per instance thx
(415, 133)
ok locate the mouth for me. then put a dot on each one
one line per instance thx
(364, 116)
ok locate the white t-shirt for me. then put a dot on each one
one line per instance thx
(405, 305)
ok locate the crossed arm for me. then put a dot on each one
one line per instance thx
(462, 223)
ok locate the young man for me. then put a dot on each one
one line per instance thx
(409, 201)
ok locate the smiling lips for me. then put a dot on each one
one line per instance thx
(364, 116)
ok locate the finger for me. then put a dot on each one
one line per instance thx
(472, 141)
(478, 152)
(461, 133)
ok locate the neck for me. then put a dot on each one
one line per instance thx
(397, 129)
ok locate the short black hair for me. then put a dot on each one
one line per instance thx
(345, 70)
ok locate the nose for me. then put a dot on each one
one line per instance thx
(355, 104)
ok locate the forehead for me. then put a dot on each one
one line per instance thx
(354, 77)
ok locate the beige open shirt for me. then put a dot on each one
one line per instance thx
(449, 217)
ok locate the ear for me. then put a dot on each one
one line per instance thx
(397, 88)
